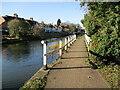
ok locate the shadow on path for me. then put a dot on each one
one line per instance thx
(72, 57)
(77, 51)
(71, 67)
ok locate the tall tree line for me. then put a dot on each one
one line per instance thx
(103, 26)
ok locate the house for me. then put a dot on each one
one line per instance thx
(51, 28)
(58, 28)
(33, 23)
(48, 28)
(5, 19)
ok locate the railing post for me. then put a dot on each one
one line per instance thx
(68, 41)
(60, 46)
(74, 37)
(65, 44)
(87, 41)
(71, 39)
(44, 56)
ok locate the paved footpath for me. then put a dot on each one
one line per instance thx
(72, 72)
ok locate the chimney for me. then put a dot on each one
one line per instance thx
(31, 19)
(15, 15)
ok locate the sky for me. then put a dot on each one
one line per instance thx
(49, 12)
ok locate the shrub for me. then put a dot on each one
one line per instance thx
(102, 25)
(18, 28)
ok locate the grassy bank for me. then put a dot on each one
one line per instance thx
(111, 75)
(110, 72)
(38, 80)
(48, 35)
(55, 46)
(37, 83)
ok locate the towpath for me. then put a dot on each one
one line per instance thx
(72, 72)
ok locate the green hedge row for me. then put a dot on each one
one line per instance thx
(102, 23)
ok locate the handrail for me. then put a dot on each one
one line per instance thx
(57, 49)
(68, 41)
(53, 40)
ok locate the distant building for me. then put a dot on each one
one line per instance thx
(51, 28)
(5, 19)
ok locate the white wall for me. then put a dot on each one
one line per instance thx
(48, 29)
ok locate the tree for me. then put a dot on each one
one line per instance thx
(42, 25)
(39, 32)
(58, 22)
(18, 28)
(72, 27)
(102, 25)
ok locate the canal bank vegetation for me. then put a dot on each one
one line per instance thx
(37, 83)
(23, 31)
(55, 46)
(38, 80)
(102, 25)
(20, 30)
(15, 29)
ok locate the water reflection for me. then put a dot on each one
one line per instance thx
(20, 61)
(16, 51)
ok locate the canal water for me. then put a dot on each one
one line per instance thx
(20, 61)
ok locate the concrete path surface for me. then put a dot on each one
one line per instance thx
(72, 72)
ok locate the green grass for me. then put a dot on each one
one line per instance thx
(35, 84)
(110, 72)
(80, 37)
(55, 46)
(111, 75)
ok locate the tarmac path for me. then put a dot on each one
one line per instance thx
(72, 72)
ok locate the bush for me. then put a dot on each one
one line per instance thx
(18, 28)
(102, 25)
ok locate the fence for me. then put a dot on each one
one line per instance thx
(87, 41)
(68, 41)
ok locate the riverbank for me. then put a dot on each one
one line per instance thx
(38, 80)
(47, 35)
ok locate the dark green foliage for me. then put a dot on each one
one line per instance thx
(18, 28)
(24, 31)
(72, 27)
(103, 26)
(38, 83)
(39, 32)
(58, 22)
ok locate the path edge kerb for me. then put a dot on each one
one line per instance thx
(41, 73)
(103, 78)
(97, 70)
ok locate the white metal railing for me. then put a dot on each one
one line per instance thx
(87, 40)
(68, 41)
